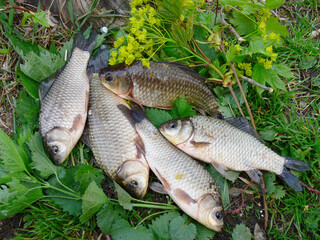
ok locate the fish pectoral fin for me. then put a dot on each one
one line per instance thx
(199, 144)
(163, 180)
(140, 146)
(135, 101)
(225, 172)
(183, 196)
(243, 124)
(255, 175)
(158, 187)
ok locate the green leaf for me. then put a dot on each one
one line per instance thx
(124, 197)
(92, 200)
(10, 154)
(158, 116)
(121, 230)
(268, 134)
(160, 226)
(307, 62)
(40, 160)
(282, 70)
(204, 233)
(182, 108)
(312, 221)
(243, 24)
(178, 33)
(269, 179)
(87, 174)
(234, 2)
(107, 215)
(272, 4)
(29, 84)
(40, 17)
(241, 232)
(273, 25)
(179, 230)
(257, 45)
(278, 193)
(27, 111)
(222, 183)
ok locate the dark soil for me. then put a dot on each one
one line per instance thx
(9, 225)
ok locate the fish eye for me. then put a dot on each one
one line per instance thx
(54, 149)
(133, 184)
(108, 76)
(219, 215)
(173, 125)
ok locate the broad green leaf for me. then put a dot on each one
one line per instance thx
(268, 134)
(29, 84)
(257, 45)
(107, 215)
(234, 2)
(160, 226)
(269, 179)
(158, 116)
(282, 70)
(243, 24)
(182, 108)
(92, 200)
(124, 197)
(307, 62)
(272, 4)
(121, 230)
(40, 160)
(273, 25)
(40, 17)
(204, 233)
(222, 184)
(259, 75)
(87, 174)
(10, 155)
(180, 230)
(241, 232)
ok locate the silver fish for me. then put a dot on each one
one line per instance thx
(187, 182)
(64, 106)
(113, 141)
(228, 147)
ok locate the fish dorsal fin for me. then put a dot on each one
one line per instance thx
(99, 61)
(187, 70)
(183, 196)
(158, 187)
(199, 144)
(243, 124)
(46, 84)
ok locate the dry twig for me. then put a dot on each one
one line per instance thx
(269, 89)
(223, 21)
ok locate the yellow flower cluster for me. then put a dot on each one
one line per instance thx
(247, 67)
(272, 36)
(136, 44)
(273, 55)
(266, 62)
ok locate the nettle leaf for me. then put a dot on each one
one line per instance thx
(92, 200)
(29, 84)
(40, 160)
(158, 116)
(204, 233)
(222, 184)
(160, 226)
(107, 215)
(87, 174)
(241, 232)
(182, 108)
(124, 197)
(179, 230)
(272, 4)
(278, 193)
(66, 196)
(282, 70)
(121, 230)
(10, 154)
(269, 179)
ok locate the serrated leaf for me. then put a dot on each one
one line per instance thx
(40, 160)
(124, 197)
(40, 17)
(92, 200)
(244, 25)
(282, 70)
(10, 155)
(69, 200)
(182, 108)
(222, 185)
(204, 233)
(160, 226)
(29, 84)
(158, 116)
(273, 25)
(307, 62)
(269, 179)
(179, 230)
(278, 193)
(272, 4)
(241, 232)
(107, 215)
(121, 230)
(87, 174)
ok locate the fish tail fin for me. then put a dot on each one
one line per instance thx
(135, 115)
(290, 179)
(85, 44)
(99, 61)
(296, 164)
